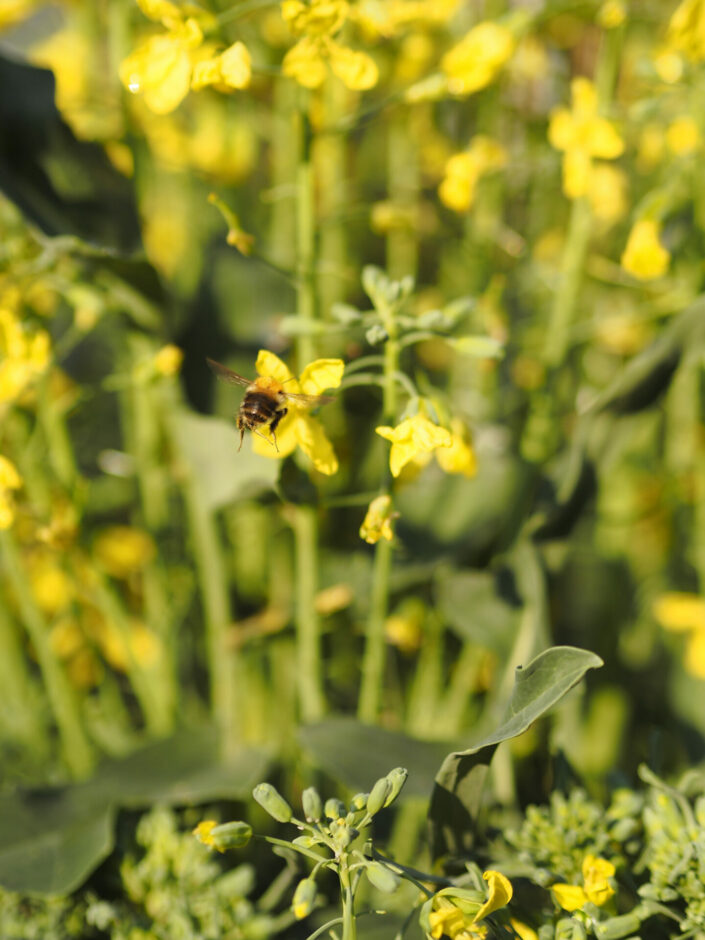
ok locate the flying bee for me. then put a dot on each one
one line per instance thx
(264, 402)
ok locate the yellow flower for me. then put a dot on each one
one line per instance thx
(596, 887)
(230, 69)
(377, 523)
(298, 428)
(459, 457)
(412, 437)
(123, 550)
(669, 65)
(463, 170)
(51, 586)
(167, 361)
(680, 612)
(682, 136)
(523, 931)
(686, 29)
(9, 480)
(607, 193)
(581, 134)
(457, 912)
(23, 355)
(203, 832)
(477, 58)
(307, 62)
(611, 14)
(12, 11)
(644, 256)
(651, 147)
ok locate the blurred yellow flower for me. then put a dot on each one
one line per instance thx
(607, 193)
(651, 147)
(378, 520)
(476, 60)
(611, 14)
(51, 585)
(463, 170)
(681, 612)
(316, 51)
(596, 887)
(686, 29)
(682, 136)
(404, 628)
(12, 11)
(298, 428)
(23, 355)
(167, 360)
(384, 20)
(230, 69)
(9, 480)
(523, 931)
(203, 832)
(452, 913)
(582, 134)
(669, 65)
(136, 645)
(459, 457)
(414, 436)
(644, 256)
(123, 550)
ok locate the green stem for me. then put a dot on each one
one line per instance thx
(308, 652)
(305, 238)
(347, 898)
(77, 751)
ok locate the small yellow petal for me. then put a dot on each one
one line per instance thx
(570, 897)
(161, 71)
(562, 130)
(377, 523)
(679, 611)
(313, 442)
(305, 64)
(9, 477)
(356, 70)
(603, 140)
(500, 893)
(694, 660)
(270, 365)
(321, 375)
(576, 173)
(236, 66)
(644, 256)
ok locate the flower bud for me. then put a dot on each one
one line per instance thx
(378, 795)
(334, 808)
(397, 779)
(343, 836)
(312, 805)
(304, 898)
(231, 835)
(272, 802)
(358, 802)
(616, 927)
(383, 878)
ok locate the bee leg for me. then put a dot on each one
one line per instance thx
(264, 437)
(274, 424)
(242, 435)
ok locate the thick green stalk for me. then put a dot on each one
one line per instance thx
(76, 747)
(348, 900)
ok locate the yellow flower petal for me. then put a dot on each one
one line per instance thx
(271, 365)
(9, 477)
(160, 70)
(603, 140)
(678, 611)
(682, 136)
(160, 10)
(413, 436)
(321, 375)
(694, 660)
(644, 256)
(378, 520)
(500, 893)
(477, 58)
(356, 70)
(562, 130)
(459, 457)
(236, 66)
(576, 173)
(304, 63)
(570, 897)
(313, 442)
(596, 872)
(287, 439)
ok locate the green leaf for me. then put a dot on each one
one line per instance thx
(481, 347)
(474, 607)
(210, 448)
(51, 840)
(459, 782)
(358, 754)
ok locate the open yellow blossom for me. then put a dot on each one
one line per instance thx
(596, 887)
(463, 170)
(203, 832)
(230, 69)
(458, 912)
(582, 134)
(686, 29)
(477, 59)
(644, 256)
(377, 523)
(459, 457)
(412, 437)
(123, 550)
(680, 612)
(307, 62)
(298, 428)
(9, 480)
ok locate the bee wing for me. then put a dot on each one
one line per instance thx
(308, 399)
(227, 375)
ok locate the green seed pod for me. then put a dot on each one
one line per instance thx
(617, 927)
(304, 898)
(397, 779)
(334, 808)
(378, 795)
(568, 928)
(273, 802)
(383, 878)
(305, 842)
(232, 835)
(312, 804)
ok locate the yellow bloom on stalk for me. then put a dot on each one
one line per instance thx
(463, 170)
(457, 913)
(686, 29)
(681, 612)
(9, 480)
(123, 550)
(413, 437)
(298, 428)
(165, 67)
(595, 888)
(308, 61)
(167, 361)
(23, 355)
(476, 60)
(644, 256)
(378, 520)
(682, 136)
(582, 134)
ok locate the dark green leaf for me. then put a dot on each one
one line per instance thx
(459, 782)
(472, 604)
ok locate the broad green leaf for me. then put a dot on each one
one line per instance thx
(358, 754)
(51, 840)
(459, 782)
(210, 448)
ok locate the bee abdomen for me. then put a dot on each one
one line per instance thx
(258, 408)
